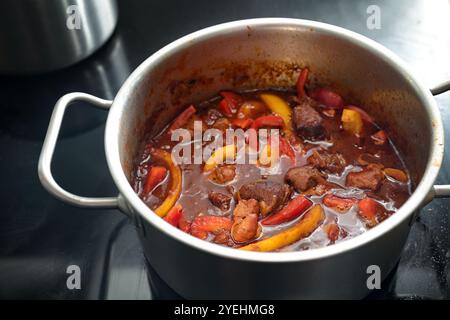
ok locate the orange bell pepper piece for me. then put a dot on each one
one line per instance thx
(175, 186)
(310, 221)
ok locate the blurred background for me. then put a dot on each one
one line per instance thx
(45, 52)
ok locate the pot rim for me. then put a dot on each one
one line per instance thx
(420, 194)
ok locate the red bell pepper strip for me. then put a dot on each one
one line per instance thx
(182, 118)
(301, 82)
(364, 115)
(369, 209)
(230, 103)
(225, 108)
(242, 123)
(285, 148)
(174, 215)
(327, 98)
(379, 137)
(292, 210)
(338, 203)
(268, 121)
(251, 138)
(202, 225)
(156, 175)
(233, 98)
(184, 225)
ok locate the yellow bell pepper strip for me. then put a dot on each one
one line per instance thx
(351, 121)
(266, 158)
(364, 115)
(219, 156)
(396, 174)
(310, 221)
(280, 108)
(175, 186)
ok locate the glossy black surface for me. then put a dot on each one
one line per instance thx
(40, 236)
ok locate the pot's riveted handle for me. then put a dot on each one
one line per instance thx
(45, 159)
(440, 88)
(441, 191)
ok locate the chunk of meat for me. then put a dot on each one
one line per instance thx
(220, 200)
(321, 189)
(396, 174)
(245, 221)
(304, 178)
(224, 238)
(190, 124)
(332, 230)
(223, 174)
(331, 162)
(269, 194)
(369, 178)
(293, 101)
(307, 121)
(246, 207)
(211, 116)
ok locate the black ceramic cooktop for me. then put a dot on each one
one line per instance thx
(40, 236)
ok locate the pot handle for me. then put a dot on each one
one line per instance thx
(440, 88)
(45, 159)
(441, 191)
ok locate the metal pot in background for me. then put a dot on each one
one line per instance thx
(38, 36)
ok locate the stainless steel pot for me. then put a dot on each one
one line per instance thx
(38, 36)
(262, 52)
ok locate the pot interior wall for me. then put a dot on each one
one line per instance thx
(244, 58)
